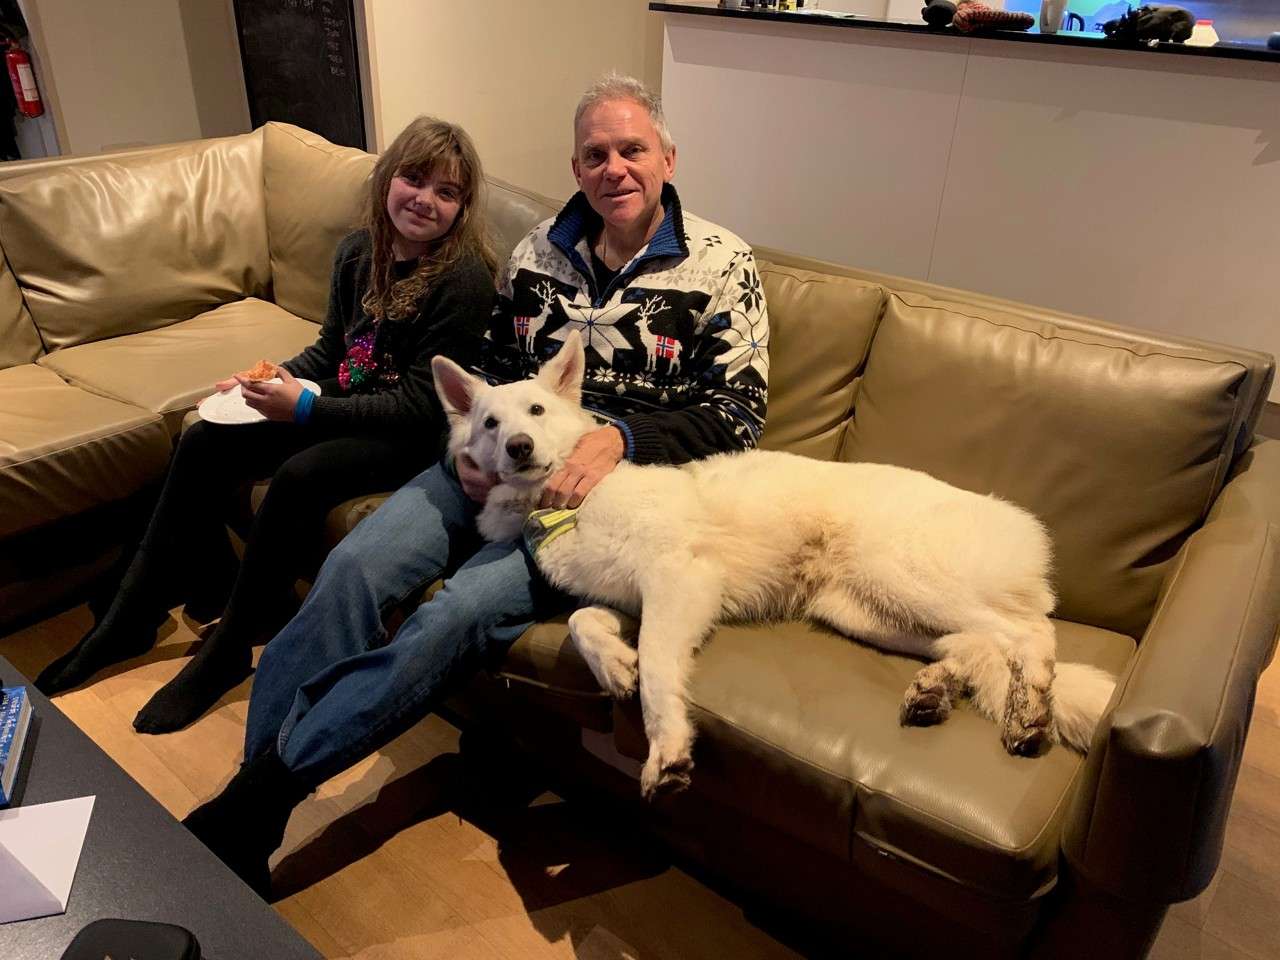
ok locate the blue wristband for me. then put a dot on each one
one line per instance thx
(302, 409)
(628, 440)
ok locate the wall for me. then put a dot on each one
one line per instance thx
(879, 9)
(123, 73)
(1131, 187)
(510, 71)
(909, 10)
(213, 56)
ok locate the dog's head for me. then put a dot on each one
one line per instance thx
(521, 431)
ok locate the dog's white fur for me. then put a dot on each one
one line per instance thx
(883, 554)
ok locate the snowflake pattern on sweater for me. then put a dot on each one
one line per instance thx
(677, 344)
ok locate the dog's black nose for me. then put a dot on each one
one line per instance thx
(520, 447)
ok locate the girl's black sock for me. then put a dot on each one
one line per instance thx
(222, 661)
(114, 640)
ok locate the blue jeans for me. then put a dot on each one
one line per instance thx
(330, 689)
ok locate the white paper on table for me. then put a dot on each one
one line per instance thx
(39, 850)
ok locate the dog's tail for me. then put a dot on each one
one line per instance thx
(1080, 696)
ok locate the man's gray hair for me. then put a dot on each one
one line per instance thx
(617, 86)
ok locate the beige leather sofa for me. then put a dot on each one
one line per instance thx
(132, 281)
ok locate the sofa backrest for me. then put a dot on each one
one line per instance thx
(1118, 439)
(122, 243)
(19, 341)
(315, 197)
(820, 330)
(1119, 442)
(131, 241)
(512, 213)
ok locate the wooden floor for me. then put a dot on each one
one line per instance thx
(394, 860)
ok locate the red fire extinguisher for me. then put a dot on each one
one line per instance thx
(23, 80)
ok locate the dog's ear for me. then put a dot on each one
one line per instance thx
(562, 374)
(456, 388)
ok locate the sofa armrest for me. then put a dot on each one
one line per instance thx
(1148, 819)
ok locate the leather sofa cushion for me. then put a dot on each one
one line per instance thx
(64, 450)
(316, 195)
(820, 329)
(544, 667)
(545, 656)
(1118, 445)
(170, 369)
(800, 726)
(343, 518)
(114, 245)
(19, 341)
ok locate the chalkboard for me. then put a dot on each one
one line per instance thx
(300, 66)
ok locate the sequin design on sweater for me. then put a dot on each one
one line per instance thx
(364, 366)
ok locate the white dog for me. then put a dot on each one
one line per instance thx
(883, 554)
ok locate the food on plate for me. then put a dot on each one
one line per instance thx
(262, 370)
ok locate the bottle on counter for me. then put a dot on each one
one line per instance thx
(1051, 14)
(1203, 34)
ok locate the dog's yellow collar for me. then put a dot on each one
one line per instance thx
(543, 526)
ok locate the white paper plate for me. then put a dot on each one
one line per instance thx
(229, 407)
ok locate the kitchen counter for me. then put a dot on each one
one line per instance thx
(830, 18)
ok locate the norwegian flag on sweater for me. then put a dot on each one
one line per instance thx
(677, 344)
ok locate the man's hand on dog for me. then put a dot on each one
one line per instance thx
(476, 484)
(596, 454)
(275, 401)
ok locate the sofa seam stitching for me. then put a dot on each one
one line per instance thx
(1224, 457)
(93, 389)
(76, 446)
(1092, 343)
(1226, 682)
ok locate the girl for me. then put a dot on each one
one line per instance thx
(415, 282)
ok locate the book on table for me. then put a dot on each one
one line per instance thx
(15, 718)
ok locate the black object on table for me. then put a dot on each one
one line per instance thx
(138, 862)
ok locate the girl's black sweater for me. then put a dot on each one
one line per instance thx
(451, 320)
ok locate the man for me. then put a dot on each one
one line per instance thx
(673, 319)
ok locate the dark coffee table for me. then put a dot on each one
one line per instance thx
(137, 861)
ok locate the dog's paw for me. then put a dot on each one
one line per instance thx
(1028, 728)
(927, 700)
(662, 775)
(619, 673)
(614, 663)
(498, 525)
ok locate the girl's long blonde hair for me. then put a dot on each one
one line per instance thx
(424, 146)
